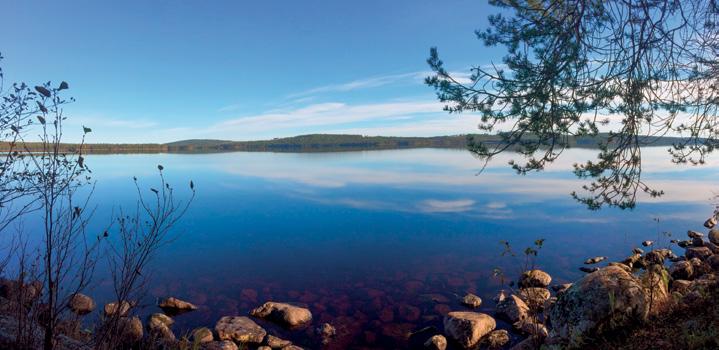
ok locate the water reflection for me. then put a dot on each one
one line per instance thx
(380, 243)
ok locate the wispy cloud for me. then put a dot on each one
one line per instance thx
(446, 206)
(365, 83)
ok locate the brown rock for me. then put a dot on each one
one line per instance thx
(283, 313)
(202, 335)
(681, 270)
(239, 329)
(534, 297)
(513, 309)
(497, 338)
(81, 304)
(467, 328)
(436, 342)
(124, 308)
(535, 278)
(471, 300)
(176, 305)
(275, 342)
(219, 345)
(698, 252)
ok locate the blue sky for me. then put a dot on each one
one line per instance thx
(159, 71)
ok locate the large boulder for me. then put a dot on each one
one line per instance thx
(81, 304)
(534, 278)
(240, 329)
(512, 308)
(600, 301)
(467, 328)
(714, 236)
(202, 335)
(284, 313)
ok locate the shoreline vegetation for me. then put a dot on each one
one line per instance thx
(315, 143)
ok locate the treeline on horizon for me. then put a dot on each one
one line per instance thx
(313, 143)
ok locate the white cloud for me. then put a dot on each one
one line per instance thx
(446, 206)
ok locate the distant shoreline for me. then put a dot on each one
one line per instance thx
(315, 143)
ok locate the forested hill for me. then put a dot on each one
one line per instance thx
(319, 143)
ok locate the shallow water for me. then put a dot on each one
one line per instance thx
(379, 243)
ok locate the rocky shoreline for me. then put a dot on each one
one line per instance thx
(620, 295)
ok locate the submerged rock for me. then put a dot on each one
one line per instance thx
(535, 278)
(81, 304)
(467, 328)
(240, 329)
(471, 300)
(283, 313)
(600, 301)
(436, 342)
(647, 243)
(326, 332)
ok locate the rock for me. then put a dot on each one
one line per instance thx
(175, 305)
(532, 328)
(697, 242)
(292, 347)
(694, 234)
(656, 256)
(264, 347)
(559, 288)
(240, 329)
(326, 332)
(81, 304)
(467, 328)
(713, 262)
(130, 330)
(600, 301)
(23, 292)
(534, 297)
(283, 313)
(631, 260)
(500, 296)
(698, 252)
(471, 300)
(512, 308)
(684, 244)
(656, 285)
(416, 339)
(276, 342)
(588, 269)
(124, 308)
(681, 270)
(637, 251)
(158, 325)
(595, 260)
(714, 236)
(220, 345)
(681, 286)
(202, 335)
(711, 222)
(713, 247)
(621, 266)
(436, 342)
(535, 278)
(497, 338)
(647, 243)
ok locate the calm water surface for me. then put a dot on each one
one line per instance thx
(379, 243)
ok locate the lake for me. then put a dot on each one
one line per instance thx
(379, 243)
